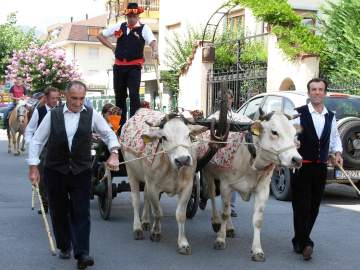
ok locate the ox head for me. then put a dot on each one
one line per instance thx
(277, 140)
(175, 133)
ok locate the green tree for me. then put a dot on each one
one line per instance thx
(13, 38)
(340, 31)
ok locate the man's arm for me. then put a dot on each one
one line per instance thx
(36, 145)
(32, 126)
(109, 137)
(105, 42)
(335, 142)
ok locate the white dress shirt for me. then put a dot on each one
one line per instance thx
(146, 33)
(41, 136)
(319, 123)
(33, 124)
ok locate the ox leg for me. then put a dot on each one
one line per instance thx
(230, 231)
(260, 199)
(135, 199)
(153, 194)
(221, 235)
(183, 244)
(145, 218)
(215, 219)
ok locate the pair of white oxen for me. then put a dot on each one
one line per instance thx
(173, 171)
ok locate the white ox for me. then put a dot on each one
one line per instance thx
(275, 145)
(171, 172)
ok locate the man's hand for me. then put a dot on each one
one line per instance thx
(113, 162)
(113, 48)
(34, 175)
(155, 55)
(336, 159)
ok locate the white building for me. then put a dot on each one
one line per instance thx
(82, 47)
(282, 74)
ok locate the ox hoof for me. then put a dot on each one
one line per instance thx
(258, 257)
(184, 250)
(138, 235)
(216, 227)
(230, 233)
(22, 149)
(146, 226)
(155, 237)
(219, 245)
(9, 151)
(17, 154)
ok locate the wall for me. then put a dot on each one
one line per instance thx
(280, 68)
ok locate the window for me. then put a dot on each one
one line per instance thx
(93, 72)
(93, 31)
(235, 21)
(94, 52)
(272, 103)
(253, 107)
(289, 107)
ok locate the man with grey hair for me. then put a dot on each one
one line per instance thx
(67, 131)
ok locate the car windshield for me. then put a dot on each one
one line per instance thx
(343, 106)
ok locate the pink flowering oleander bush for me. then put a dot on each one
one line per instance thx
(40, 67)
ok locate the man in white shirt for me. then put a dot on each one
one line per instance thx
(67, 131)
(131, 37)
(318, 138)
(52, 96)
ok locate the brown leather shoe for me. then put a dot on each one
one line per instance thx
(307, 252)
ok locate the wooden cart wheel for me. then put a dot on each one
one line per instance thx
(105, 199)
(194, 200)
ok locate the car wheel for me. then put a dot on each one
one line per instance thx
(350, 138)
(280, 184)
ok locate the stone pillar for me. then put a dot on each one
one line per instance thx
(193, 85)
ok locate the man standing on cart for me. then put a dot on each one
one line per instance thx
(129, 56)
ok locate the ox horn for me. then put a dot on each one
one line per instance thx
(265, 117)
(293, 116)
(163, 121)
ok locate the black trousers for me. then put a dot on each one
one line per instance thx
(127, 77)
(307, 185)
(69, 201)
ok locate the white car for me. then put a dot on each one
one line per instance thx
(347, 111)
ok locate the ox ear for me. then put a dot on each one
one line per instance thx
(151, 135)
(197, 129)
(256, 128)
(298, 128)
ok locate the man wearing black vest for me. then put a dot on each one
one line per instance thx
(52, 96)
(318, 138)
(67, 131)
(131, 37)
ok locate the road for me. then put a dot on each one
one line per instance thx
(23, 242)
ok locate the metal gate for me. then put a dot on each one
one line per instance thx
(243, 79)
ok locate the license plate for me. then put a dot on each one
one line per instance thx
(352, 173)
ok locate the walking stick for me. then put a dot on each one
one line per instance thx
(345, 173)
(51, 241)
(32, 197)
(158, 83)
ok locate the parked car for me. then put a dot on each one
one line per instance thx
(347, 111)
